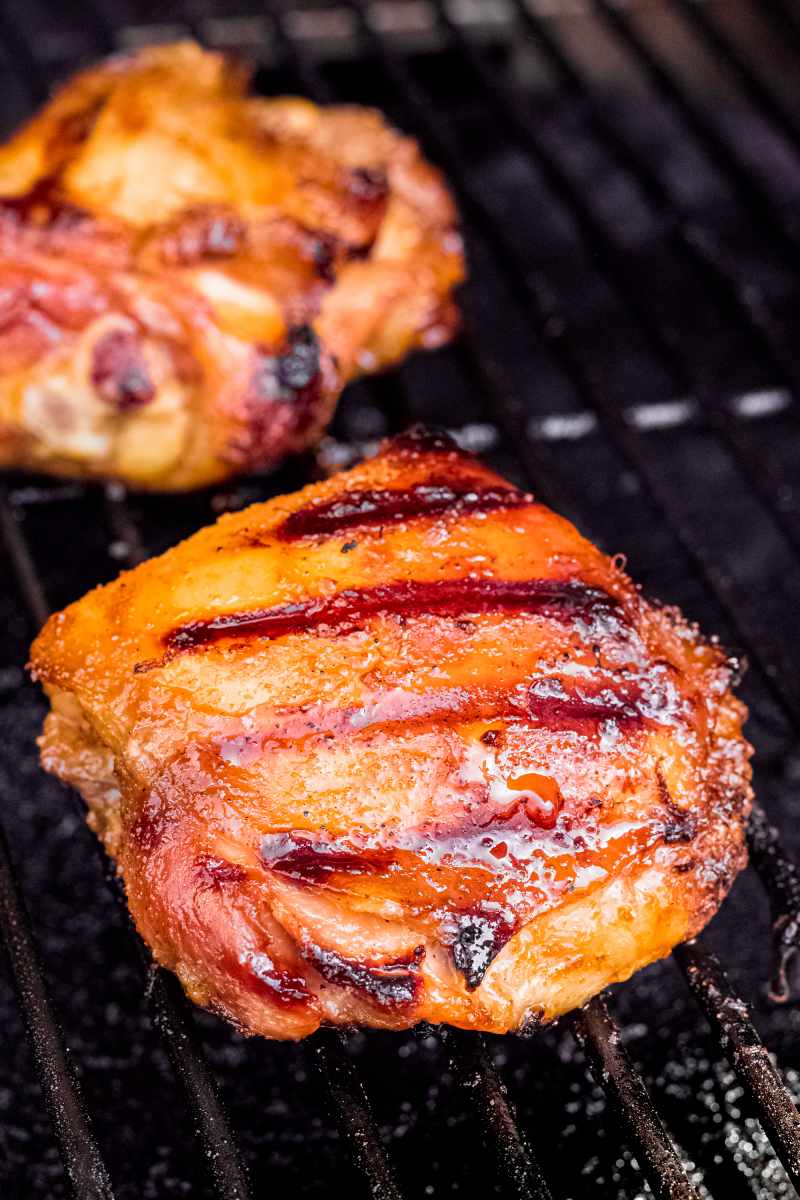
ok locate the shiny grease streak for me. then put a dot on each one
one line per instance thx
(349, 610)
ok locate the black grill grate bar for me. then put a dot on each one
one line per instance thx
(730, 1020)
(183, 1049)
(22, 562)
(553, 326)
(86, 1171)
(350, 1108)
(751, 83)
(654, 1150)
(767, 215)
(476, 1073)
(174, 1022)
(129, 544)
(774, 490)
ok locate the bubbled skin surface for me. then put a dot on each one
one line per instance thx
(400, 746)
(189, 274)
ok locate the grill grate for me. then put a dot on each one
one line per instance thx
(550, 328)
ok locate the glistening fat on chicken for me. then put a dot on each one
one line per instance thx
(400, 746)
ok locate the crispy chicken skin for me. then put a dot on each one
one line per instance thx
(189, 275)
(400, 746)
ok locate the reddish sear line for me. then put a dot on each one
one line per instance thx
(394, 984)
(309, 861)
(364, 509)
(347, 611)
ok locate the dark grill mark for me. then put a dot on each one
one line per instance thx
(480, 936)
(681, 826)
(368, 185)
(285, 389)
(218, 873)
(203, 234)
(367, 508)
(298, 366)
(550, 702)
(323, 253)
(150, 824)
(350, 610)
(308, 861)
(279, 985)
(119, 372)
(394, 984)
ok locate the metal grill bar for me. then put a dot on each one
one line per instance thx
(656, 1154)
(351, 1109)
(174, 1022)
(730, 1020)
(184, 1052)
(86, 1171)
(477, 1074)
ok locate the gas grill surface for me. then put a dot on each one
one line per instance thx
(629, 177)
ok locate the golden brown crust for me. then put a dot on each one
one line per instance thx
(400, 746)
(189, 276)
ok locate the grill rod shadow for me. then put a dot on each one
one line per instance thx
(730, 1020)
(781, 17)
(192, 1070)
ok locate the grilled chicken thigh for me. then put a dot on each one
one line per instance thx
(189, 275)
(401, 746)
